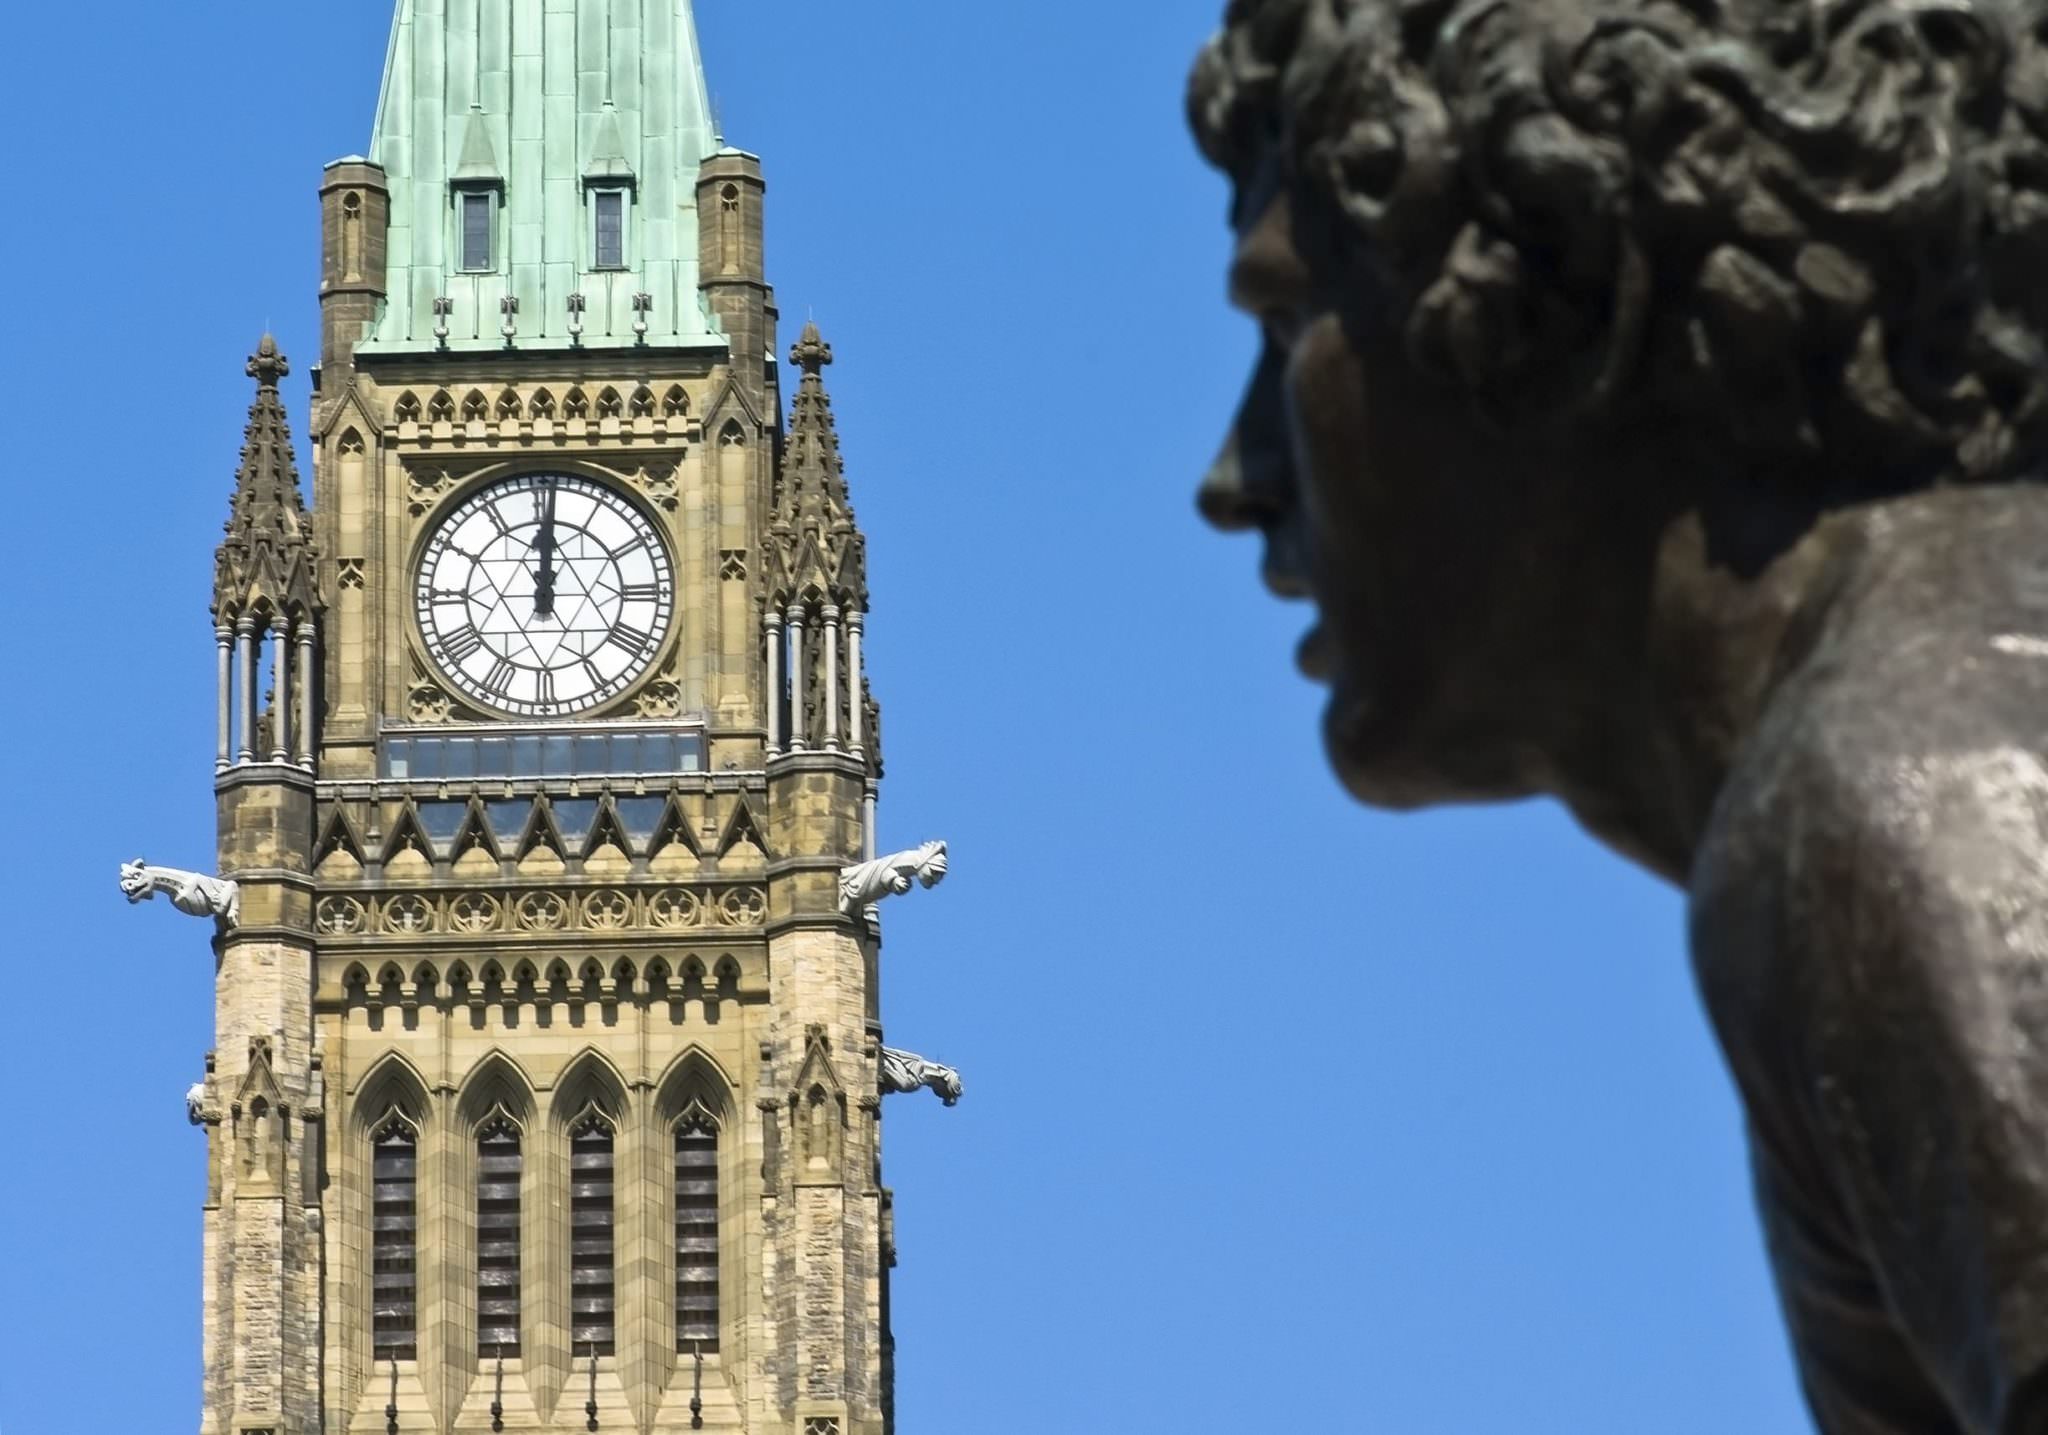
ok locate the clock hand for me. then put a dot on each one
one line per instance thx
(544, 580)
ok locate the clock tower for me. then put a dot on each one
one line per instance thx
(548, 1074)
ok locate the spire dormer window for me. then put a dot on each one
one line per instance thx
(608, 210)
(476, 212)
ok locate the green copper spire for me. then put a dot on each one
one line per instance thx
(519, 136)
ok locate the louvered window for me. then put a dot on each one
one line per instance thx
(610, 207)
(592, 1249)
(394, 1240)
(498, 1167)
(696, 1234)
(478, 220)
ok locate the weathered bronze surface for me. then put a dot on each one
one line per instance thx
(1652, 404)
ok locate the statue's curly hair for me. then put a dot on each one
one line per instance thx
(1820, 226)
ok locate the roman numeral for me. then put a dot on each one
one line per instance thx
(462, 642)
(500, 679)
(596, 677)
(544, 682)
(642, 593)
(633, 640)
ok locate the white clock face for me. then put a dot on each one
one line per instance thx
(544, 594)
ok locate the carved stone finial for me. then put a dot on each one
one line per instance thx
(905, 1071)
(267, 365)
(891, 876)
(810, 352)
(193, 893)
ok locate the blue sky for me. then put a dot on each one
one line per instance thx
(1281, 1114)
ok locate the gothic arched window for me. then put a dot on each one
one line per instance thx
(499, 1164)
(696, 1233)
(593, 1250)
(394, 1239)
(352, 236)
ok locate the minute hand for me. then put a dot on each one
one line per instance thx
(544, 580)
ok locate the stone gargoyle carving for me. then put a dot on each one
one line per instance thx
(196, 1109)
(907, 1071)
(193, 893)
(891, 876)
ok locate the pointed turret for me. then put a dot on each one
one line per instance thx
(265, 589)
(263, 569)
(818, 573)
(818, 549)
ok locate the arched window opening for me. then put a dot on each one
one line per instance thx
(407, 409)
(499, 1164)
(696, 1234)
(441, 408)
(394, 1240)
(575, 405)
(543, 405)
(508, 404)
(729, 228)
(593, 1323)
(643, 403)
(676, 404)
(351, 236)
(474, 408)
(609, 405)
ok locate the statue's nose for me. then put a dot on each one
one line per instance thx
(1251, 483)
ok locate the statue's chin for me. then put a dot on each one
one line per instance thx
(1385, 757)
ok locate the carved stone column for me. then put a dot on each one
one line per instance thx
(857, 714)
(281, 696)
(831, 614)
(224, 751)
(245, 687)
(305, 728)
(771, 626)
(796, 678)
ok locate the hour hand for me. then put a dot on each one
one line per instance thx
(544, 577)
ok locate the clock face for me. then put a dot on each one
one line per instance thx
(544, 594)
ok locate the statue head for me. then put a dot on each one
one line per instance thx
(946, 1082)
(1543, 280)
(930, 865)
(135, 881)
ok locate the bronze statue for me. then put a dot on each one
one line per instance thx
(1653, 399)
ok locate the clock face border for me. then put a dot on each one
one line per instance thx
(459, 511)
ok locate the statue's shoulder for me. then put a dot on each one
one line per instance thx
(1895, 784)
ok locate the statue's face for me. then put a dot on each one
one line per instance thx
(1462, 576)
